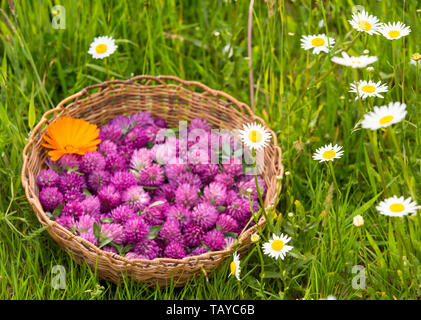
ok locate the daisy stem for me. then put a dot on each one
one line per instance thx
(256, 220)
(257, 185)
(281, 271)
(416, 101)
(365, 39)
(408, 231)
(362, 246)
(403, 69)
(402, 161)
(332, 172)
(394, 64)
(373, 139)
(262, 262)
(107, 73)
(240, 291)
(400, 236)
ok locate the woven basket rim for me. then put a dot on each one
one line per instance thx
(57, 112)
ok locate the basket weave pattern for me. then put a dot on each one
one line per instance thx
(174, 100)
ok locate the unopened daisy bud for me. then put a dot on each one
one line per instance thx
(287, 173)
(358, 221)
(366, 51)
(416, 56)
(255, 237)
(405, 261)
(249, 190)
(370, 69)
(279, 178)
(290, 214)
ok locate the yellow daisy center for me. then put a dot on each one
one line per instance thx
(394, 33)
(368, 88)
(397, 207)
(329, 154)
(386, 119)
(317, 42)
(365, 25)
(233, 267)
(277, 245)
(255, 136)
(69, 148)
(101, 48)
(255, 237)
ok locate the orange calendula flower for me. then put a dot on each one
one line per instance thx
(69, 135)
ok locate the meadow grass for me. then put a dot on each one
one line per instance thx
(303, 97)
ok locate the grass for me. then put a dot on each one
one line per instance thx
(303, 97)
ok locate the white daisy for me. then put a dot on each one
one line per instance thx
(415, 58)
(328, 153)
(235, 266)
(362, 21)
(354, 62)
(369, 88)
(395, 30)
(397, 207)
(102, 47)
(276, 247)
(358, 221)
(318, 43)
(254, 135)
(384, 116)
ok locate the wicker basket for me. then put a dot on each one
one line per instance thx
(172, 99)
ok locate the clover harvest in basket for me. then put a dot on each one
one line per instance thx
(129, 189)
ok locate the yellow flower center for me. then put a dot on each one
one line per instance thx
(386, 119)
(368, 88)
(416, 57)
(397, 207)
(101, 48)
(233, 267)
(69, 148)
(317, 42)
(329, 154)
(255, 237)
(394, 33)
(277, 245)
(255, 136)
(365, 25)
